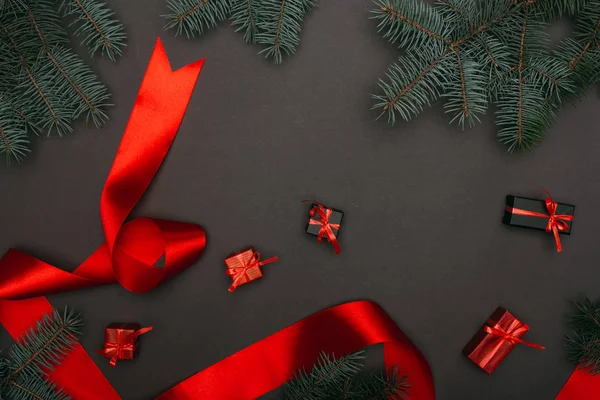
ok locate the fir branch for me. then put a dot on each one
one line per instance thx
(337, 378)
(326, 373)
(410, 24)
(37, 91)
(14, 140)
(279, 27)
(245, 16)
(23, 373)
(583, 344)
(94, 22)
(77, 82)
(192, 17)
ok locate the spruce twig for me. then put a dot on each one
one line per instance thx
(336, 378)
(583, 344)
(500, 53)
(23, 373)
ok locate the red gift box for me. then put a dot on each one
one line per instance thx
(244, 267)
(492, 343)
(121, 341)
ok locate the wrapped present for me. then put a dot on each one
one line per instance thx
(492, 343)
(546, 215)
(121, 341)
(325, 222)
(244, 267)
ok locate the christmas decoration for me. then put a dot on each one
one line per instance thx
(492, 343)
(44, 85)
(336, 378)
(545, 215)
(275, 24)
(244, 267)
(477, 52)
(23, 374)
(131, 249)
(274, 360)
(121, 341)
(325, 222)
(583, 349)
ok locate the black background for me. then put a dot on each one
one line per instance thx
(423, 204)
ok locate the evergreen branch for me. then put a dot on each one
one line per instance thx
(577, 59)
(413, 82)
(36, 94)
(326, 373)
(279, 27)
(410, 24)
(82, 83)
(384, 386)
(23, 374)
(14, 141)
(94, 22)
(245, 16)
(583, 344)
(520, 81)
(192, 17)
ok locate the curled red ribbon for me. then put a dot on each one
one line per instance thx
(131, 249)
(274, 360)
(122, 344)
(326, 227)
(249, 270)
(555, 224)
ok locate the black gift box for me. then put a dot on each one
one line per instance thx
(335, 218)
(538, 206)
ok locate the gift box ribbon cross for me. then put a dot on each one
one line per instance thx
(116, 348)
(511, 334)
(556, 222)
(246, 270)
(326, 228)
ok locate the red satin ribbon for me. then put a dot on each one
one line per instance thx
(555, 224)
(131, 249)
(115, 350)
(581, 385)
(326, 227)
(271, 362)
(240, 274)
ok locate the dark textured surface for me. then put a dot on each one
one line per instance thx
(423, 204)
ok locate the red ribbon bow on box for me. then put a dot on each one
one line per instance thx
(326, 227)
(555, 224)
(121, 345)
(244, 267)
(511, 334)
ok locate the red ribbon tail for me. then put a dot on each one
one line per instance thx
(557, 239)
(268, 261)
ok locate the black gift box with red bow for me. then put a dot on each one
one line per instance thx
(536, 206)
(335, 218)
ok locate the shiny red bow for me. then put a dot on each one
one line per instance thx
(326, 228)
(122, 347)
(244, 267)
(555, 224)
(511, 334)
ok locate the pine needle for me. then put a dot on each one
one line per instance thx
(583, 344)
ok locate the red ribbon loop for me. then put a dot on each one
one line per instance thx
(131, 249)
(241, 273)
(114, 350)
(326, 228)
(556, 223)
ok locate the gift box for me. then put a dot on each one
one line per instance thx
(325, 223)
(496, 339)
(546, 215)
(538, 207)
(244, 267)
(121, 341)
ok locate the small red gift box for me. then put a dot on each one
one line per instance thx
(121, 341)
(492, 343)
(244, 267)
